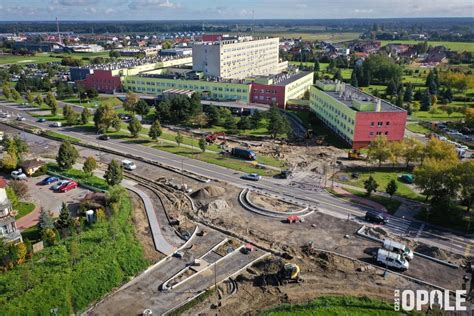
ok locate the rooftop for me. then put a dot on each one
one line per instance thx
(284, 79)
(354, 97)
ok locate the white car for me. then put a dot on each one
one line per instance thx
(20, 118)
(18, 175)
(55, 124)
(59, 184)
(129, 165)
(252, 177)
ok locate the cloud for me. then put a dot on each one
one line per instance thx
(146, 4)
(74, 3)
(363, 11)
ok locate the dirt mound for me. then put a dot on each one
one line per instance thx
(214, 209)
(208, 192)
(432, 252)
(377, 232)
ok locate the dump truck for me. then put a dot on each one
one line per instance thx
(243, 153)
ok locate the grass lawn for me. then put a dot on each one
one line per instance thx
(80, 176)
(455, 46)
(440, 115)
(417, 128)
(112, 101)
(336, 305)
(41, 58)
(310, 35)
(23, 209)
(62, 136)
(390, 204)
(382, 178)
(77, 271)
(227, 162)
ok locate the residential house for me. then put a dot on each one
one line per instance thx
(8, 229)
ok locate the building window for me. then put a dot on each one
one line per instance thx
(388, 123)
(386, 133)
(380, 123)
(372, 123)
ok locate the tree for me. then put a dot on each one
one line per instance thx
(178, 138)
(213, 115)
(70, 115)
(64, 219)
(412, 150)
(6, 91)
(29, 97)
(408, 95)
(338, 75)
(20, 188)
(465, 177)
(425, 101)
(391, 88)
(39, 100)
(470, 117)
(391, 188)
(114, 173)
(134, 127)
(49, 236)
(89, 165)
(440, 150)
(230, 123)
(52, 103)
(9, 161)
(436, 179)
(155, 130)
(45, 220)
(16, 95)
(370, 185)
(142, 108)
(277, 124)
(104, 117)
(354, 80)
(202, 144)
(131, 101)
(244, 123)
(85, 116)
(379, 150)
(316, 65)
(255, 119)
(67, 155)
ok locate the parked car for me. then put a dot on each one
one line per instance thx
(18, 175)
(252, 177)
(391, 259)
(376, 217)
(49, 180)
(41, 120)
(128, 165)
(406, 178)
(55, 124)
(285, 174)
(59, 185)
(69, 186)
(104, 137)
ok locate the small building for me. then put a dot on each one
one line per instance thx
(8, 229)
(31, 166)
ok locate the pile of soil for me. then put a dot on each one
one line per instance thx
(214, 208)
(208, 192)
(432, 252)
(377, 232)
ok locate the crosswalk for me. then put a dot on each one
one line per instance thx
(403, 227)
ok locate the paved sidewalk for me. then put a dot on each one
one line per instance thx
(358, 199)
(29, 220)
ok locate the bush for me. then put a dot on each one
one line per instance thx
(41, 171)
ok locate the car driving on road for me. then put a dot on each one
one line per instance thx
(252, 177)
(376, 217)
(104, 137)
(129, 165)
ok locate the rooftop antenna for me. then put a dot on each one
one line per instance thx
(59, 34)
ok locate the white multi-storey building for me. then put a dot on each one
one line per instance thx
(8, 229)
(238, 58)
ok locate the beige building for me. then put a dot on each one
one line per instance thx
(238, 58)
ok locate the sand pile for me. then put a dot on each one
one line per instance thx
(214, 208)
(208, 192)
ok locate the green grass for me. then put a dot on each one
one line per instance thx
(112, 101)
(107, 256)
(41, 58)
(336, 305)
(455, 46)
(417, 128)
(382, 178)
(307, 35)
(227, 162)
(439, 115)
(61, 136)
(24, 208)
(390, 204)
(80, 176)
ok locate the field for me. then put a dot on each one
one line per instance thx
(309, 35)
(335, 305)
(455, 46)
(417, 128)
(41, 58)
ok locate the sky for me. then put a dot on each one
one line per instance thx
(21, 10)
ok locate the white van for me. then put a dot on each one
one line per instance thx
(128, 165)
(392, 260)
(55, 124)
(399, 248)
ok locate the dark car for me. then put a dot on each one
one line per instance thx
(285, 174)
(49, 180)
(376, 217)
(104, 137)
(41, 120)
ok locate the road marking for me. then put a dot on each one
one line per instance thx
(420, 230)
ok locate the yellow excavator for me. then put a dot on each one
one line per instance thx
(289, 272)
(353, 154)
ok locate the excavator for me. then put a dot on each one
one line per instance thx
(212, 137)
(289, 273)
(354, 154)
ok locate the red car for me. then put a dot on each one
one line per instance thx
(68, 186)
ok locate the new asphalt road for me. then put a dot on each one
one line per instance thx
(325, 202)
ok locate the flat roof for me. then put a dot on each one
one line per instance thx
(350, 93)
(285, 79)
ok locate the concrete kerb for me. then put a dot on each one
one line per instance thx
(208, 267)
(247, 197)
(361, 231)
(165, 286)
